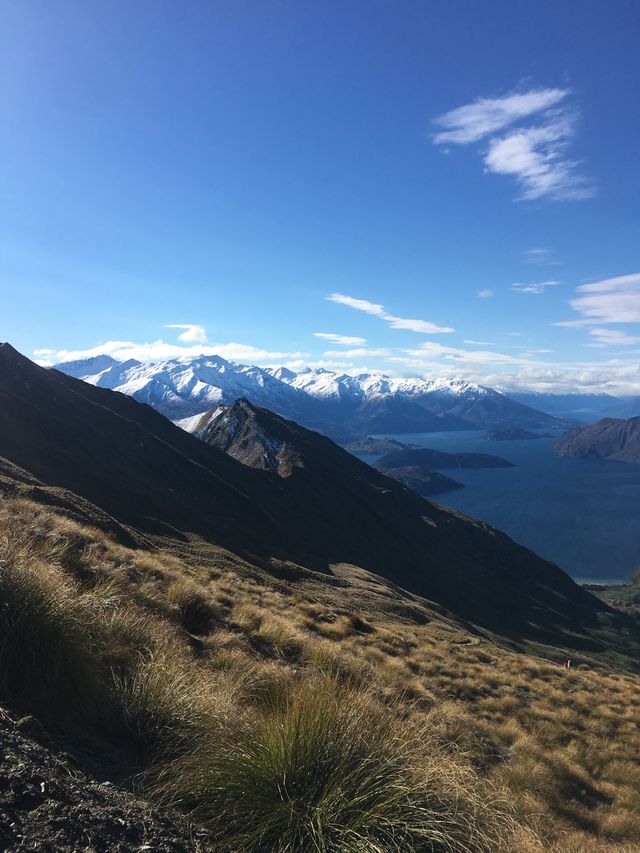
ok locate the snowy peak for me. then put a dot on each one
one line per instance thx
(252, 436)
(338, 404)
(180, 388)
(88, 366)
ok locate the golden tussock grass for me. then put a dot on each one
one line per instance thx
(353, 729)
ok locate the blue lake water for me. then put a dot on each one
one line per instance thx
(582, 514)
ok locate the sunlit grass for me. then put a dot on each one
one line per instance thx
(206, 683)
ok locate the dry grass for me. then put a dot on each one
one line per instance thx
(211, 676)
(326, 768)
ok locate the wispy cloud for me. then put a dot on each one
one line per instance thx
(541, 257)
(358, 304)
(487, 293)
(361, 352)
(192, 334)
(420, 326)
(528, 138)
(479, 343)
(612, 337)
(610, 300)
(535, 287)
(483, 116)
(432, 350)
(342, 340)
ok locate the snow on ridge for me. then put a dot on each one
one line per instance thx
(189, 385)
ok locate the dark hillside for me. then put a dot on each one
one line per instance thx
(331, 509)
(609, 438)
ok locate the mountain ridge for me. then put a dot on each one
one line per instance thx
(609, 438)
(340, 405)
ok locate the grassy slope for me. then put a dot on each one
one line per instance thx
(202, 679)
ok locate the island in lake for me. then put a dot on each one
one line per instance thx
(513, 434)
(423, 481)
(423, 457)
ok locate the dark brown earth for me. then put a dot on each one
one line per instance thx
(48, 805)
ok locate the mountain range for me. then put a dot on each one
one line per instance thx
(339, 405)
(313, 514)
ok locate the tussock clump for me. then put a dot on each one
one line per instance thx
(326, 769)
(48, 664)
(195, 611)
(286, 723)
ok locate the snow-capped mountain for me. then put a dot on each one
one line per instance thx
(337, 404)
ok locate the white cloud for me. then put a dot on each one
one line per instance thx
(358, 304)
(534, 153)
(420, 326)
(536, 157)
(192, 334)
(615, 377)
(612, 337)
(479, 343)
(364, 352)
(161, 351)
(343, 340)
(483, 116)
(611, 300)
(535, 287)
(433, 350)
(485, 294)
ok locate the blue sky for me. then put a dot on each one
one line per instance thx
(422, 188)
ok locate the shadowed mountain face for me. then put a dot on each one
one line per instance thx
(608, 438)
(247, 434)
(329, 508)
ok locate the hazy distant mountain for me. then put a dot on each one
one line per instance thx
(573, 407)
(609, 438)
(339, 405)
(626, 407)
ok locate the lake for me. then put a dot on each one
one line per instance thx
(583, 514)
